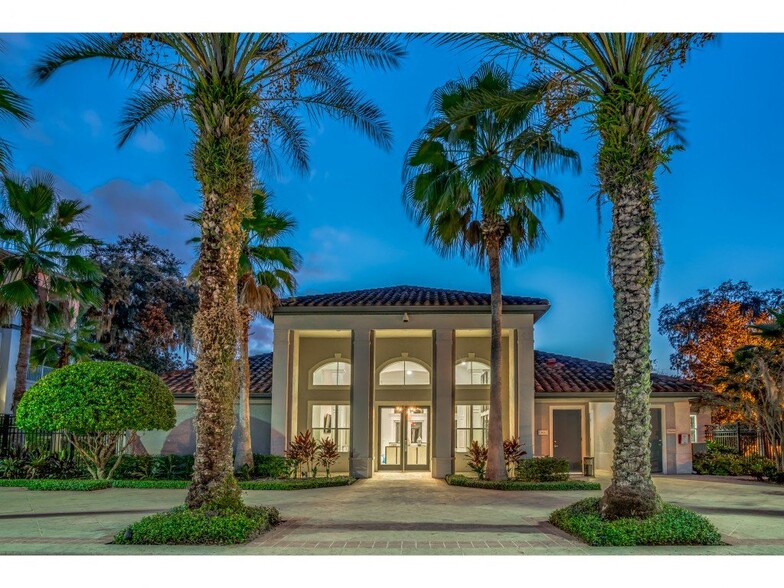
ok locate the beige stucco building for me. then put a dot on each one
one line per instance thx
(399, 378)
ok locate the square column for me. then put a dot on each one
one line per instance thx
(361, 444)
(524, 342)
(280, 391)
(443, 403)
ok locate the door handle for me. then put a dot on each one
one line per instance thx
(555, 444)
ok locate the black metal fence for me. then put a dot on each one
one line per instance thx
(13, 439)
(743, 439)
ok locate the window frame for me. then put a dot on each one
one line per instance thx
(472, 359)
(484, 416)
(335, 428)
(319, 365)
(694, 427)
(404, 359)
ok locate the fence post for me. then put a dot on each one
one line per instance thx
(737, 436)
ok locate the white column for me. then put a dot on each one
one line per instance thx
(280, 391)
(524, 340)
(361, 456)
(443, 403)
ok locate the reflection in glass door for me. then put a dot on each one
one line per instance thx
(403, 438)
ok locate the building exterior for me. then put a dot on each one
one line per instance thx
(9, 351)
(399, 377)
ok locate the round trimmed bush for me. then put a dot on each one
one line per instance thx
(97, 402)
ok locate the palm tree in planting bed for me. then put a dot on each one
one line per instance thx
(265, 273)
(470, 181)
(43, 262)
(617, 78)
(243, 94)
(71, 336)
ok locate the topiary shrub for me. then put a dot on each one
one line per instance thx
(97, 403)
(543, 469)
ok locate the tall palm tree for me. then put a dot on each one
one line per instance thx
(242, 93)
(470, 181)
(69, 337)
(13, 106)
(43, 261)
(615, 79)
(265, 273)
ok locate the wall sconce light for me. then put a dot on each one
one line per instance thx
(406, 318)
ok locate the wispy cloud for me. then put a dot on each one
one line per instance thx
(93, 121)
(120, 207)
(149, 141)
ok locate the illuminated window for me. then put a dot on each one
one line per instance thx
(471, 424)
(693, 431)
(330, 421)
(404, 373)
(334, 373)
(472, 372)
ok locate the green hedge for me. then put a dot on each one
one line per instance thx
(297, 484)
(729, 463)
(543, 469)
(181, 526)
(46, 484)
(673, 525)
(270, 466)
(459, 480)
(151, 484)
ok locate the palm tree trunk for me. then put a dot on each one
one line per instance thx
(65, 356)
(224, 170)
(243, 455)
(632, 493)
(23, 357)
(496, 467)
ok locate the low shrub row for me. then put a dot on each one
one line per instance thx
(67, 485)
(82, 485)
(297, 483)
(34, 464)
(459, 480)
(181, 526)
(724, 461)
(543, 469)
(673, 525)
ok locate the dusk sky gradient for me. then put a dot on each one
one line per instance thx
(720, 208)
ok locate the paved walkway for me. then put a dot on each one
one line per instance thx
(389, 514)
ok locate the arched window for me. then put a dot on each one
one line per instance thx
(404, 373)
(472, 372)
(333, 373)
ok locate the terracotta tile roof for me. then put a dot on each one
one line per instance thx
(181, 384)
(564, 374)
(405, 296)
(554, 374)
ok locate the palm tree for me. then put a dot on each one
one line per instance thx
(617, 78)
(69, 337)
(13, 106)
(265, 273)
(470, 181)
(43, 260)
(241, 92)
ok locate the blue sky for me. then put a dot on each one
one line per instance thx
(719, 208)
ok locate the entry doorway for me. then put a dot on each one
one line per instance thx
(568, 436)
(403, 438)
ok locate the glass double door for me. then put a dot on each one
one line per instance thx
(403, 438)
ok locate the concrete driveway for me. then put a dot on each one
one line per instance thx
(389, 514)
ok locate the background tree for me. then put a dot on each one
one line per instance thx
(243, 94)
(706, 330)
(101, 404)
(753, 384)
(148, 308)
(43, 261)
(265, 273)
(615, 80)
(69, 337)
(13, 106)
(470, 182)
